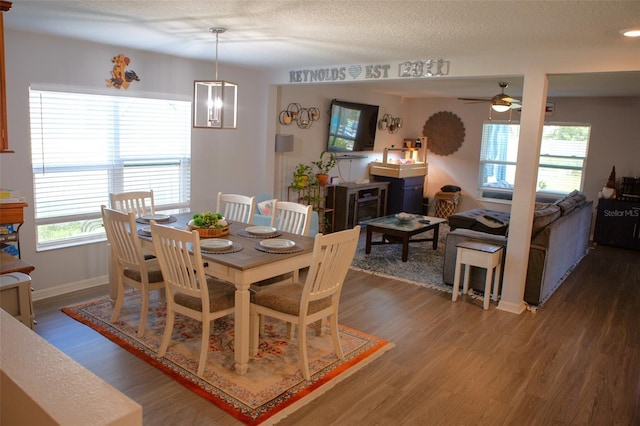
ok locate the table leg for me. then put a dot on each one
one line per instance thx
(241, 350)
(405, 248)
(436, 231)
(367, 247)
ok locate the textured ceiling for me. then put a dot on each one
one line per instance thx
(285, 34)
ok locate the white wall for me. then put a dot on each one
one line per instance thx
(238, 160)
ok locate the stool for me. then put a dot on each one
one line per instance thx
(482, 255)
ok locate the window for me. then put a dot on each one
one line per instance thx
(84, 146)
(563, 155)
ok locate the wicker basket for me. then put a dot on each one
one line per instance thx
(211, 232)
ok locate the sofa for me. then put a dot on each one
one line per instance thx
(262, 214)
(559, 240)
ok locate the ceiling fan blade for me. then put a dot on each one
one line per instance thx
(474, 99)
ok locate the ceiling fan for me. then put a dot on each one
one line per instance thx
(500, 102)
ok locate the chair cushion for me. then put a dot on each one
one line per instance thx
(285, 297)
(153, 269)
(221, 296)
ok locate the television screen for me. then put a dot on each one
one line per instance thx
(352, 126)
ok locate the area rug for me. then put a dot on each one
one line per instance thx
(423, 267)
(272, 388)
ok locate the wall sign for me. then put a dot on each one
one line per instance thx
(400, 70)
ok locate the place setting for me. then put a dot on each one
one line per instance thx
(278, 246)
(219, 246)
(159, 218)
(260, 232)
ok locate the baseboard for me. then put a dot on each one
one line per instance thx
(70, 287)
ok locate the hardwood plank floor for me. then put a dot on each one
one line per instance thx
(576, 361)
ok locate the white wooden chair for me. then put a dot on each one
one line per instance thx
(317, 299)
(189, 291)
(236, 208)
(131, 267)
(291, 217)
(139, 202)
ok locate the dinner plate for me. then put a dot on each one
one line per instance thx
(146, 229)
(156, 217)
(215, 244)
(277, 244)
(261, 230)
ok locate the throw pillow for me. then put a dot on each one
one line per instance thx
(543, 217)
(265, 207)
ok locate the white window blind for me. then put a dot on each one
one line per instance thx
(84, 146)
(563, 154)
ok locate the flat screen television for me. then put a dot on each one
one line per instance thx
(352, 127)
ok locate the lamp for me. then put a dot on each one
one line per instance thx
(215, 102)
(284, 143)
(303, 117)
(389, 123)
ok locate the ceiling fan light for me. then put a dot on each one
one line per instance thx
(631, 32)
(499, 107)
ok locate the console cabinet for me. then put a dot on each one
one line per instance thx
(618, 224)
(357, 202)
(405, 194)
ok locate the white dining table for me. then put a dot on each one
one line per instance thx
(242, 268)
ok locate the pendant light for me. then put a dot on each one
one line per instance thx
(215, 102)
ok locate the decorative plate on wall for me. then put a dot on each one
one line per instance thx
(445, 133)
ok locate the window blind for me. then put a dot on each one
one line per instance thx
(85, 146)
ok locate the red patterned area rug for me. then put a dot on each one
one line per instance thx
(272, 388)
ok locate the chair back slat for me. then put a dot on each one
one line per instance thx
(122, 236)
(236, 208)
(332, 257)
(138, 202)
(180, 260)
(291, 217)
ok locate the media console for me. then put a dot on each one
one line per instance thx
(357, 202)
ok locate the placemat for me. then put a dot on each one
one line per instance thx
(245, 234)
(147, 221)
(293, 249)
(236, 247)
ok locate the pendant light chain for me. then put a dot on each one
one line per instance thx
(217, 31)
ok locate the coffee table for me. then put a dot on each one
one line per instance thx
(396, 232)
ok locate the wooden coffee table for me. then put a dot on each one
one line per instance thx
(396, 232)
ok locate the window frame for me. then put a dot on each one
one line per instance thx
(114, 169)
(505, 195)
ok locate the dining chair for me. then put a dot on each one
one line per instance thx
(317, 299)
(235, 207)
(139, 202)
(189, 291)
(291, 217)
(131, 267)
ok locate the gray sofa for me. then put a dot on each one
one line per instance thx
(560, 238)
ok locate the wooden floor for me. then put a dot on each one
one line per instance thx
(576, 361)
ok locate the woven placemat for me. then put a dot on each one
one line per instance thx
(236, 247)
(245, 234)
(293, 249)
(147, 221)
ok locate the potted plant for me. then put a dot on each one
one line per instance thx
(324, 165)
(301, 176)
(209, 224)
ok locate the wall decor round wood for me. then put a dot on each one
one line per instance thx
(445, 133)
